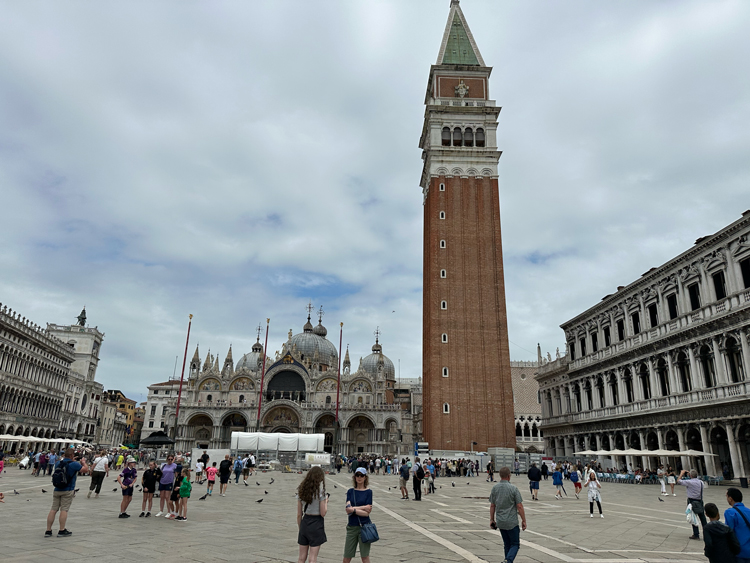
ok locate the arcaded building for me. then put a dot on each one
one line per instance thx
(662, 363)
(468, 394)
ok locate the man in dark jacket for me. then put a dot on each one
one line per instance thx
(534, 475)
(721, 542)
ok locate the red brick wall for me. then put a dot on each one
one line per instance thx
(446, 86)
(478, 388)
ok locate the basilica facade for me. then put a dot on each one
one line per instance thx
(298, 393)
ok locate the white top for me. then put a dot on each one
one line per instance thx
(100, 463)
(198, 466)
(593, 490)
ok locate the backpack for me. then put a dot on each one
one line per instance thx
(574, 476)
(60, 477)
(420, 472)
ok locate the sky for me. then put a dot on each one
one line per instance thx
(237, 160)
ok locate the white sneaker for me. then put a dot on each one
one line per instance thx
(601, 516)
(158, 514)
(591, 515)
(673, 494)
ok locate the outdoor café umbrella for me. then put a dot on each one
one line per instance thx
(694, 453)
(585, 453)
(157, 439)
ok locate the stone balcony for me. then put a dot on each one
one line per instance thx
(709, 311)
(681, 401)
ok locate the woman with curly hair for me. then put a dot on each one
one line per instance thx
(312, 505)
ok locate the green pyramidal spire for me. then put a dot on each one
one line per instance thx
(458, 46)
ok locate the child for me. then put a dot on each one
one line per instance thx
(185, 490)
(575, 478)
(722, 544)
(174, 499)
(150, 477)
(557, 481)
(126, 479)
(594, 495)
(312, 506)
(211, 476)
(198, 471)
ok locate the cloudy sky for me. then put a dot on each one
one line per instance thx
(235, 160)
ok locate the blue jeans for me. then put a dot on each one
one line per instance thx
(511, 542)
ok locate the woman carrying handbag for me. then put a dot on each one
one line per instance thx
(360, 531)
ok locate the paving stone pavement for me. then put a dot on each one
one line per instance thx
(451, 525)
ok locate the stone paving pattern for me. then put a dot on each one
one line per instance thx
(451, 525)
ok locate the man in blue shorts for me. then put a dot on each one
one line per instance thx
(534, 475)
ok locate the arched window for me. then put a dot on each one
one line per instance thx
(468, 137)
(446, 408)
(707, 363)
(446, 136)
(534, 432)
(734, 360)
(242, 398)
(480, 137)
(519, 432)
(683, 368)
(442, 214)
(209, 398)
(442, 187)
(443, 305)
(328, 399)
(445, 372)
(443, 274)
(458, 138)
(442, 244)
(359, 400)
(445, 338)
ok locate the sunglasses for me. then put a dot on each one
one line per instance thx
(360, 475)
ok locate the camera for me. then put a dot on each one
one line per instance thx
(493, 525)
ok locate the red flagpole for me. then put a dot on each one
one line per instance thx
(182, 378)
(338, 384)
(262, 378)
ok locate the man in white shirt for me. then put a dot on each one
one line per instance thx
(100, 470)
(198, 471)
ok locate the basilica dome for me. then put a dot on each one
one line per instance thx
(313, 340)
(370, 363)
(254, 360)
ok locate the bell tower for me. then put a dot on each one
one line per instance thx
(468, 397)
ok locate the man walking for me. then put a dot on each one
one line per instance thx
(506, 505)
(534, 475)
(738, 519)
(64, 479)
(694, 488)
(418, 474)
(100, 471)
(225, 472)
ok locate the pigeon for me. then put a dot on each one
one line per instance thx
(77, 490)
(28, 500)
(453, 483)
(257, 483)
(261, 500)
(114, 490)
(203, 497)
(441, 486)
(265, 492)
(272, 480)
(44, 491)
(15, 492)
(468, 483)
(660, 499)
(389, 488)
(335, 487)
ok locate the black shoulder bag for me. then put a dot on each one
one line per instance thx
(368, 533)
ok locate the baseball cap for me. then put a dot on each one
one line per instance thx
(361, 470)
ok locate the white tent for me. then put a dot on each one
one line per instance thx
(251, 441)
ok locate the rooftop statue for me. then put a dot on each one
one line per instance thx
(82, 317)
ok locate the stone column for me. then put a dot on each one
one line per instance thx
(694, 374)
(721, 368)
(734, 453)
(684, 460)
(660, 438)
(674, 386)
(644, 447)
(709, 460)
(595, 393)
(653, 383)
(612, 447)
(621, 387)
(609, 396)
(745, 353)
